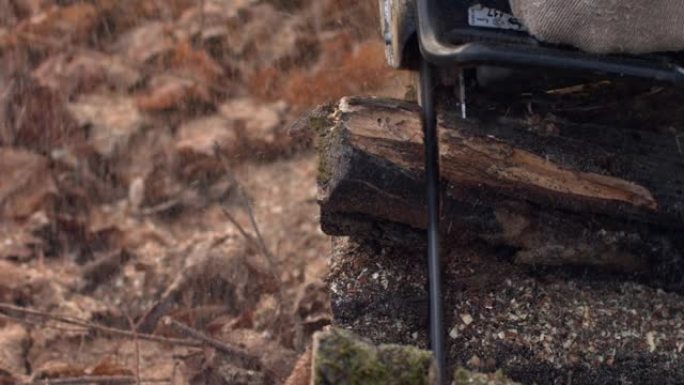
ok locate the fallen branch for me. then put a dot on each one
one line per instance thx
(150, 319)
(249, 361)
(248, 237)
(259, 241)
(161, 307)
(131, 324)
(65, 329)
(105, 380)
(85, 380)
(7, 308)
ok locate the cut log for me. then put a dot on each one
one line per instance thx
(556, 192)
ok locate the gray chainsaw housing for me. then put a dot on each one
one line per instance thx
(398, 27)
(604, 27)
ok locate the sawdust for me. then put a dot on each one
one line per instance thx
(538, 326)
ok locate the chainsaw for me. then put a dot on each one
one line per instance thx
(434, 36)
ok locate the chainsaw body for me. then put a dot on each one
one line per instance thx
(469, 33)
(434, 35)
(488, 19)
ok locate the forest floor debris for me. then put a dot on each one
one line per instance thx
(131, 135)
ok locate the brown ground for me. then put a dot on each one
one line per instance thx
(131, 132)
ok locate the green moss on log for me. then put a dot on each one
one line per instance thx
(321, 123)
(324, 172)
(340, 357)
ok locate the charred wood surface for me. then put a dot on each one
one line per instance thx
(556, 192)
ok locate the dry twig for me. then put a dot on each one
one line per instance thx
(131, 324)
(248, 360)
(7, 308)
(244, 200)
(87, 380)
(259, 240)
(28, 322)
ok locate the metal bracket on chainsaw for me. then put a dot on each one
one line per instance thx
(468, 47)
(464, 48)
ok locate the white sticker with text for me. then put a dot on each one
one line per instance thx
(481, 16)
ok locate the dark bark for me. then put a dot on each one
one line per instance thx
(556, 192)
